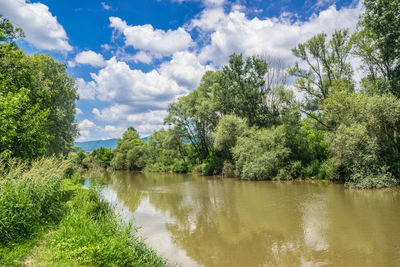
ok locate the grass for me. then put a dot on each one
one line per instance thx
(48, 219)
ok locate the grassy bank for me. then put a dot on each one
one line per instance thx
(47, 218)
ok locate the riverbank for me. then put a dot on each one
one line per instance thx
(48, 218)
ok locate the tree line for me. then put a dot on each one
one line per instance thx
(244, 120)
(37, 101)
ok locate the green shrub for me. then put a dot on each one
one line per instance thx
(212, 166)
(311, 170)
(260, 154)
(198, 169)
(228, 169)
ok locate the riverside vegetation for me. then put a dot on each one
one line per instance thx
(244, 120)
(46, 217)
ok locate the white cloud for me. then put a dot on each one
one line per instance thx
(235, 33)
(157, 42)
(143, 57)
(85, 127)
(185, 69)
(41, 28)
(88, 57)
(118, 83)
(105, 6)
(85, 90)
(78, 111)
(205, 2)
(125, 116)
(114, 131)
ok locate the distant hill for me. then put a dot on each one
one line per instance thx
(92, 145)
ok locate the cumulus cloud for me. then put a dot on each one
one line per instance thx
(118, 83)
(185, 69)
(86, 90)
(158, 43)
(142, 57)
(235, 33)
(41, 28)
(125, 116)
(85, 127)
(205, 2)
(78, 111)
(88, 130)
(88, 57)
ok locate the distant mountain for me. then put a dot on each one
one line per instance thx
(92, 145)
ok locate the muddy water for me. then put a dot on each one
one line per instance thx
(199, 221)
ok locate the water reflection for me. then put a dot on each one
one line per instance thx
(193, 220)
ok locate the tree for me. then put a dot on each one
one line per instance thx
(195, 116)
(228, 130)
(240, 90)
(327, 62)
(8, 33)
(260, 153)
(377, 42)
(131, 152)
(37, 101)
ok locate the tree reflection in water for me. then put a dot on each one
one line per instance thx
(226, 222)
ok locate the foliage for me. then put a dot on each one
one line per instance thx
(377, 43)
(167, 152)
(259, 154)
(37, 101)
(366, 142)
(131, 152)
(8, 33)
(194, 116)
(327, 62)
(30, 197)
(229, 128)
(91, 234)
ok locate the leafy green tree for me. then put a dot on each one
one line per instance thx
(166, 147)
(103, 156)
(241, 90)
(228, 130)
(377, 43)
(37, 101)
(327, 62)
(194, 116)
(364, 148)
(260, 153)
(8, 33)
(131, 152)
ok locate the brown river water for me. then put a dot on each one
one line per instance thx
(206, 221)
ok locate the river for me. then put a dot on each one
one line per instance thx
(212, 221)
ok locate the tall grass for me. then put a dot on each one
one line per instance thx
(91, 234)
(85, 229)
(30, 196)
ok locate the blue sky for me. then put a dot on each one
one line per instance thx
(131, 58)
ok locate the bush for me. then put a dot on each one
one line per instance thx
(228, 169)
(311, 170)
(212, 166)
(260, 154)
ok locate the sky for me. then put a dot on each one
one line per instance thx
(131, 58)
